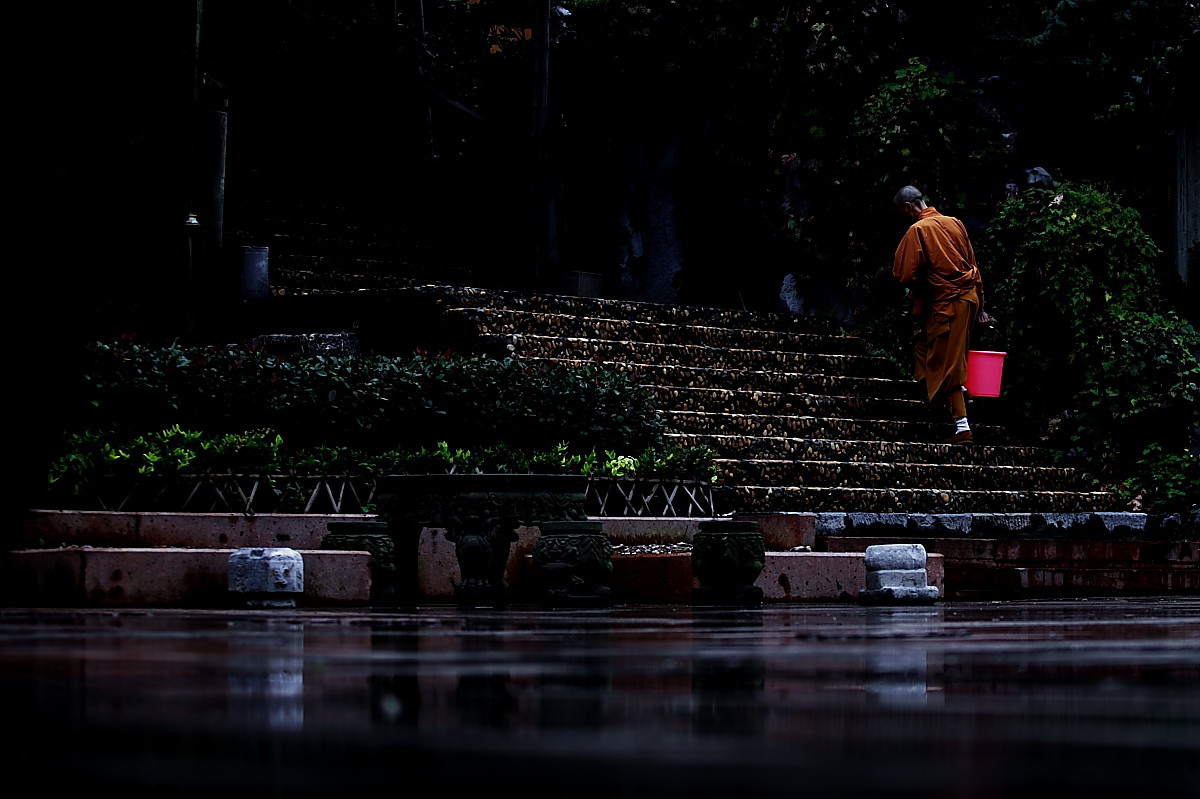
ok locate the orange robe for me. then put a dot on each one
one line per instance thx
(936, 262)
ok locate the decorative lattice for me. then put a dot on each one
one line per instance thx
(251, 494)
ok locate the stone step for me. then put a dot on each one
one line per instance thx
(182, 560)
(803, 417)
(849, 450)
(506, 321)
(1032, 567)
(1084, 525)
(700, 357)
(970, 557)
(743, 390)
(865, 404)
(685, 426)
(158, 577)
(844, 499)
(937, 476)
(134, 577)
(461, 297)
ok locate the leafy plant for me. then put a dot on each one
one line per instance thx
(94, 456)
(1166, 479)
(926, 126)
(1094, 353)
(371, 402)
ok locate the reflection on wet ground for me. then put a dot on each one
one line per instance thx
(1073, 698)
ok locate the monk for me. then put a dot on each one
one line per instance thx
(936, 263)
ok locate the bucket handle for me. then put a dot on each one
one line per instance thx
(992, 339)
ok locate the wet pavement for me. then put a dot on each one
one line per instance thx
(1021, 698)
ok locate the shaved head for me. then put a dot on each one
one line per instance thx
(908, 194)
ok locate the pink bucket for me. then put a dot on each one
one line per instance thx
(984, 369)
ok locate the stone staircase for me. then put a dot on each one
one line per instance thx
(815, 433)
(832, 448)
(803, 416)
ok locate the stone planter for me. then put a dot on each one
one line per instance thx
(727, 558)
(370, 537)
(574, 563)
(480, 514)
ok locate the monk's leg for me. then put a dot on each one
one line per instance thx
(954, 365)
(956, 403)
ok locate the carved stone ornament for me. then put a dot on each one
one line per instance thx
(727, 559)
(480, 514)
(574, 560)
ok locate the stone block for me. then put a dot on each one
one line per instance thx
(659, 578)
(811, 576)
(166, 577)
(899, 596)
(785, 530)
(334, 577)
(299, 531)
(896, 578)
(895, 556)
(266, 576)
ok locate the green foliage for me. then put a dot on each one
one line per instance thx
(92, 458)
(1059, 263)
(1168, 479)
(91, 454)
(1131, 54)
(235, 410)
(373, 403)
(657, 462)
(927, 127)
(1093, 353)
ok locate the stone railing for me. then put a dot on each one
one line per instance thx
(294, 493)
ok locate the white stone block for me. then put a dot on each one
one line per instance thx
(267, 575)
(897, 578)
(898, 596)
(895, 556)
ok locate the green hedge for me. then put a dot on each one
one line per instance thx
(156, 412)
(374, 403)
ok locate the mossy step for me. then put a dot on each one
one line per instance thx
(938, 476)
(698, 356)
(506, 321)
(686, 425)
(808, 499)
(790, 448)
(819, 404)
(740, 390)
(460, 296)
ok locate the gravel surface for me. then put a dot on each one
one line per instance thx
(651, 549)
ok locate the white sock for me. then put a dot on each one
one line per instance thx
(961, 426)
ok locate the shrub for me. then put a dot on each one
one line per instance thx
(1094, 353)
(241, 410)
(373, 403)
(93, 458)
